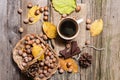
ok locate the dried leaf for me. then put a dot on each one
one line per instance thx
(36, 51)
(64, 6)
(96, 27)
(31, 13)
(73, 66)
(50, 30)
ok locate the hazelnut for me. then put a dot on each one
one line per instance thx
(49, 70)
(36, 78)
(45, 18)
(31, 19)
(88, 21)
(29, 58)
(24, 64)
(26, 59)
(26, 21)
(21, 30)
(47, 58)
(41, 9)
(27, 38)
(47, 74)
(54, 60)
(61, 71)
(45, 71)
(87, 42)
(37, 41)
(78, 8)
(41, 75)
(37, 12)
(30, 5)
(28, 51)
(68, 65)
(50, 61)
(88, 27)
(70, 70)
(45, 67)
(64, 15)
(45, 37)
(40, 71)
(20, 52)
(31, 36)
(68, 45)
(46, 13)
(41, 64)
(46, 62)
(24, 54)
(20, 11)
(45, 8)
(52, 66)
(28, 46)
(49, 54)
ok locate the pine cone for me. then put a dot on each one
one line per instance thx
(85, 60)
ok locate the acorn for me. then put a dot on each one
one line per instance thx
(78, 8)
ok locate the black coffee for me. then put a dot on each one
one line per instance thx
(68, 28)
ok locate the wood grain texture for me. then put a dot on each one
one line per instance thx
(106, 64)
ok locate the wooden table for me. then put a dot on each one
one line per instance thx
(106, 64)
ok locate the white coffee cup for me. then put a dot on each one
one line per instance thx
(67, 27)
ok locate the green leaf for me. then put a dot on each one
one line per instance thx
(64, 6)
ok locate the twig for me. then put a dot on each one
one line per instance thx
(90, 46)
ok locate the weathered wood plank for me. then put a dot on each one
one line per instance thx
(35, 28)
(59, 43)
(9, 23)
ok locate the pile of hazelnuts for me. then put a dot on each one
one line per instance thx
(42, 68)
(43, 10)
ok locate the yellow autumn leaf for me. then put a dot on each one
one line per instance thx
(36, 52)
(96, 27)
(50, 30)
(74, 65)
(31, 13)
